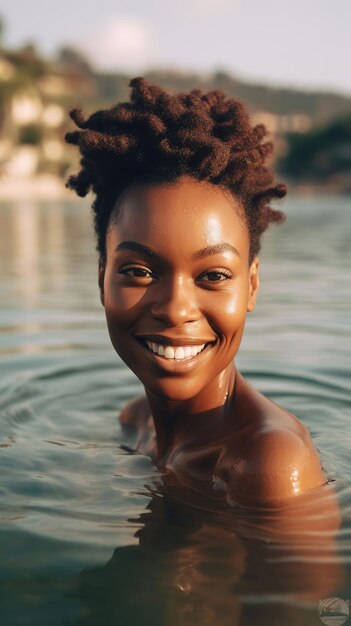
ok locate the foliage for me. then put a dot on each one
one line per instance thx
(320, 153)
(30, 135)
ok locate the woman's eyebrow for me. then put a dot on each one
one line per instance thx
(199, 254)
(136, 247)
(218, 248)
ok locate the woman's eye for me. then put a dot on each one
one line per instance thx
(135, 272)
(215, 276)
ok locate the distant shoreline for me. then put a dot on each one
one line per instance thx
(51, 187)
(39, 187)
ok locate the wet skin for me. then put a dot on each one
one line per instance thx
(177, 274)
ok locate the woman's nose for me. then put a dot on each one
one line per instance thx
(175, 302)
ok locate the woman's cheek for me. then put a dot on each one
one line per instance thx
(229, 309)
(122, 302)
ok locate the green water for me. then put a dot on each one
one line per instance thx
(91, 534)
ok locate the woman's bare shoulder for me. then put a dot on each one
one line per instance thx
(276, 459)
(135, 413)
(272, 465)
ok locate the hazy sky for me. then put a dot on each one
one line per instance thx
(291, 42)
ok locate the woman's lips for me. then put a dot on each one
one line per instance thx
(174, 340)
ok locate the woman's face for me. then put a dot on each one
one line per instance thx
(177, 284)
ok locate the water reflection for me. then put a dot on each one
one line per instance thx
(38, 242)
(221, 568)
(47, 275)
(27, 249)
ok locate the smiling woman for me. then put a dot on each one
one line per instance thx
(182, 198)
(186, 287)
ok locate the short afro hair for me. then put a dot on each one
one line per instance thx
(159, 136)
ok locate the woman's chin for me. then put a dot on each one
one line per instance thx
(172, 391)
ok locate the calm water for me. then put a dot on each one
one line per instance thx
(92, 534)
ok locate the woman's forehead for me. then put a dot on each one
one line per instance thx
(181, 219)
(188, 203)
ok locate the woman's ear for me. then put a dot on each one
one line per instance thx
(254, 284)
(101, 280)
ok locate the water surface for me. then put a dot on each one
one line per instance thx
(94, 535)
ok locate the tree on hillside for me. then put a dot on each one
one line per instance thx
(320, 154)
(71, 57)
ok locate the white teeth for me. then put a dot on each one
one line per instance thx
(177, 352)
(169, 352)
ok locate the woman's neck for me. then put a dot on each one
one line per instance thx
(195, 421)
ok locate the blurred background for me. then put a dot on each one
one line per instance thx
(288, 61)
